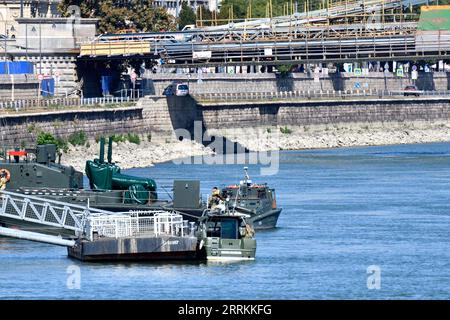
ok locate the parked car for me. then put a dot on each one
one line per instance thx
(411, 91)
(168, 91)
(177, 89)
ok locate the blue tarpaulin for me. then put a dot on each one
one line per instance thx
(16, 67)
(48, 87)
(106, 85)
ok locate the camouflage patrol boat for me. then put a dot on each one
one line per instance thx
(226, 237)
(256, 201)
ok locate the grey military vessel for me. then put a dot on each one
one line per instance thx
(257, 201)
(38, 168)
(38, 172)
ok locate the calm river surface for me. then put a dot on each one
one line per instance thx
(343, 211)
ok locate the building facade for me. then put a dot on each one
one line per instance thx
(11, 10)
(174, 6)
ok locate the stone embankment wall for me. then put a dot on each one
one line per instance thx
(252, 114)
(270, 82)
(159, 116)
(18, 86)
(153, 115)
(16, 129)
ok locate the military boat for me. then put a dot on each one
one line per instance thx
(37, 168)
(37, 172)
(226, 237)
(257, 201)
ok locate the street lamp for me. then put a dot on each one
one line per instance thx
(177, 13)
(5, 37)
(40, 46)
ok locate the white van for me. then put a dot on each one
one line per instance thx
(181, 89)
(177, 89)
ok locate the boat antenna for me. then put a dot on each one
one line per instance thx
(235, 200)
(246, 175)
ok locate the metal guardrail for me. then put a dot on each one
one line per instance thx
(67, 102)
(105, 100)
(310, 94)
(44, 212)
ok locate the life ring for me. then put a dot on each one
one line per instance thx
(8, 174)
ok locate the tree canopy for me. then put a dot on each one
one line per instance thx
(126, 14)
(186, 16)
(115, 15)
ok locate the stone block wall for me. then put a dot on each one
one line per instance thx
(270, 82)
(15, 129)
(160, 116)
(219, 116)
(26, 86)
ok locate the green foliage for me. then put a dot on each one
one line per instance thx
(259, 7)
(186, 16)
(118, 138)
(48, 138)
(285, 130)
(133, 138)
(31, 128)
(130, 137)
(284, 69)
(149, 137)
(78, 138)
(139, 15)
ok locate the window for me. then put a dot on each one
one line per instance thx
(226, 229)
(229, 229)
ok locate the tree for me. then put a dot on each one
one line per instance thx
(205, 15)
(186, 16)
(116, 15)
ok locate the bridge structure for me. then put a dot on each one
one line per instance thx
(349, 31)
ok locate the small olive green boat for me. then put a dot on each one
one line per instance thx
(226, 237)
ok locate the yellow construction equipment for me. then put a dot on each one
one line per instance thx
(115, 48)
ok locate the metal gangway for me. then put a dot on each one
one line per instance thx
(60, 223)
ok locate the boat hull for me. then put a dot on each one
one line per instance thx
(217, 249)
(266, 220)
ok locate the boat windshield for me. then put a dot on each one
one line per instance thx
(225, 229)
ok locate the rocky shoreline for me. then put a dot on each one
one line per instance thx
(337, 136)
(128, 155)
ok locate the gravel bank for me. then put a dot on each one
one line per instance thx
(128, 155)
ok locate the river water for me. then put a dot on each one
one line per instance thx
(377, 215)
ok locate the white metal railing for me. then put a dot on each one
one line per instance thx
(309, 94)
(135, 224)
(56, 103)
(45, 212)
(90, 222)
